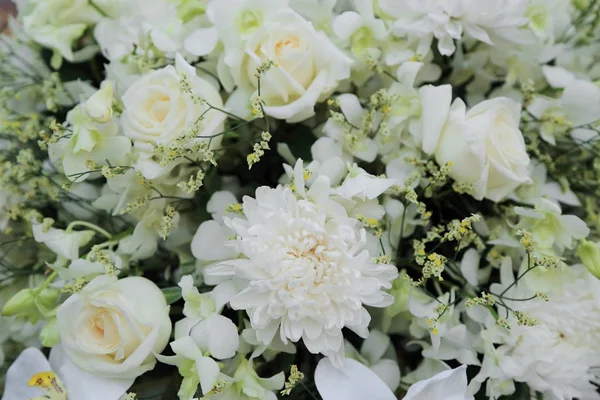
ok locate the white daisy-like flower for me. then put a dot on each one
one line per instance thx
(483, 20)
(306, 271)
(558, 356)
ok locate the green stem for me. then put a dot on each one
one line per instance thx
(401, 242)
(88, 225)
(95, 70)
(312, 395)
(95, 6)
(529, 268)
(51, 278)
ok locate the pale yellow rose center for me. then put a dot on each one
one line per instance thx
(294, 71)
(158, 108)
(105, 331)
(287, 43)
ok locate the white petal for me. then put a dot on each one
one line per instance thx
(184, 326)
(469, 266)
(581, 101)
(219, 201)
(435, 106)
(374, 346)
(84, 385)
(477, 33)
(286, 153)
(320, 189)
(351, 108)
(370, 153)
(507, 274)
(81, 268)
(364, 186)
(407, 72)
(187, 348)
(334, 169)
(208, 243)
(554, 191)
(353, 382)
(575, 226)
(223, 293)
(558, 77)
(450, 384)
(389, 372)
(202, 41)
(446, 45)
(183, 66)
(162, 42)
(346, 23)
(218, 335)
(208, 371)
(325, 148)
(30, 362)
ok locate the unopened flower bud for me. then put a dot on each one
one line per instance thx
(589, 253)
(50, 335)
(581, 4)
(99, 106)
(21, 304)
(45, 301)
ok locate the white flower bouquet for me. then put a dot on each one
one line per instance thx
(300, 199)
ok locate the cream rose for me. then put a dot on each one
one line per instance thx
(484, 145)
(158, 111)
(113, 328)
(308, 66)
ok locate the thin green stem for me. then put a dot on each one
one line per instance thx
(512, 299)
(529, 268)
(88, 225)
(95, 6)
(51, 278)
(401, 241)
(309, 391)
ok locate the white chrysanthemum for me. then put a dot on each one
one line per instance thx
(484, 20)
(306, 273)
(559, 355)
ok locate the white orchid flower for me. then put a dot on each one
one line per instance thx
(373, 354)
(32, 375)
(355, 381)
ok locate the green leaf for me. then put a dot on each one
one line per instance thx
(172, 294)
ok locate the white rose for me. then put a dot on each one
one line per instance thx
(157, 111)
(307, 67)
(484, 145)
(113, 328)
